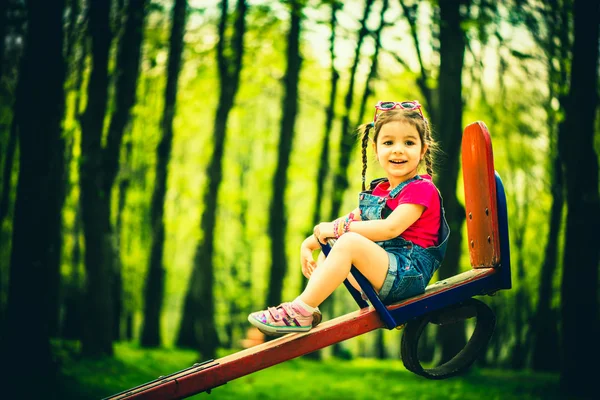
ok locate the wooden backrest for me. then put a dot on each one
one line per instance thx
(480, 196)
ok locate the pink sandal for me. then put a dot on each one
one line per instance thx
(285, 318)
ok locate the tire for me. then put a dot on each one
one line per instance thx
(475, 347)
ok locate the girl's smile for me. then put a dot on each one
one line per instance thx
(399, 151)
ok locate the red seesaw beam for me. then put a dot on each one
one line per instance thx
(218, 372)
(206, 376)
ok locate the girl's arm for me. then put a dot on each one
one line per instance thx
(377, 230)
(327, 227)
(384, 229)
(311, 243)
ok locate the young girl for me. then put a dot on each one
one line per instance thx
(396, 237)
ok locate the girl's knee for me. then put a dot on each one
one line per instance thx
(349, 240)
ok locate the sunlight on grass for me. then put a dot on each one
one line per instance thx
(299, 379)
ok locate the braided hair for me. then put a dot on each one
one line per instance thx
(365, 141)
(411, 117)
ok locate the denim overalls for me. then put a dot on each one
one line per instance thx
(410, 266)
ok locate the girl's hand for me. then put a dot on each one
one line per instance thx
(307, 261)
(323, 231)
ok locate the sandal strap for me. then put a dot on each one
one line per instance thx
(275, 313)
(287, 307)
(285, 313)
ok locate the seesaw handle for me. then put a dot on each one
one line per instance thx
(367, 288)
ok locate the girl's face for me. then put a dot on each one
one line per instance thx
(399, 150)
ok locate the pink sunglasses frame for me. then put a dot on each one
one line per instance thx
(404, 105)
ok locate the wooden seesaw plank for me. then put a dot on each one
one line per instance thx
(206, 376)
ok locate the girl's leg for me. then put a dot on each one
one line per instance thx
(350, 249)
(353, 282)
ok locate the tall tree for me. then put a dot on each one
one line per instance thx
(347, 139)
(410, 12)
(155, 280)
(7, 169)
(125, 176)
(41, 155)
(127, 71)
(347, 142)
(198, 324)
(374, 70)
(11, 30)
(95, 195)
(3, 19)
(324, 165)
(77, 50)
(449, 111)
(238, 301)
(519, 215)
(579, 291)
(373, 73)
(277, 214)
(329, 116)
(5, 197)
(545, 327)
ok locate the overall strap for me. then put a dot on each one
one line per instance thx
(401, 186)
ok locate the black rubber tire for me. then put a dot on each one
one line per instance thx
(476, 346)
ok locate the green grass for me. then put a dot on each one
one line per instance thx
(297, 379)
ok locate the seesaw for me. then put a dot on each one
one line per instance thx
(443, 302)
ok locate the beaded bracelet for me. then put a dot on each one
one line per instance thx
(348, 221)
(336, 224)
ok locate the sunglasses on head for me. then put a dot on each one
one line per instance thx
(392, 105)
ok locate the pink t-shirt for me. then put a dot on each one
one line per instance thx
(424, 232)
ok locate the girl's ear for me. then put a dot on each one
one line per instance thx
(424, 150)
(374, 147)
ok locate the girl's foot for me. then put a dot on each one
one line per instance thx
(285, 318)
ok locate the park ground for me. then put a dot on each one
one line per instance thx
(301, 378)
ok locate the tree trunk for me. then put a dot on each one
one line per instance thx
(7, 169)
(26, 334)
(243, 262)
(545, 335)
(374, 70)
(94, 199)
(522, 310)
(277, 217)
(380, 345)
(411, 12)
(3, 20)
(155, 280)
(127, 72)
(124, 307)
(347, 139)
(545, 332)
(72, 324)
(579, 291)
(56, 203)
(450, 107)
(366, 94)
(5, 205)
(73, 288)
(324, 153)
(198, 324)
(329, 117)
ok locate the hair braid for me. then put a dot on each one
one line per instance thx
(365, 142)
(428, 157)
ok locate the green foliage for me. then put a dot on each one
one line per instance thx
(504, 85)
(299, 379)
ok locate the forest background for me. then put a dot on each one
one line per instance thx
(163, 160)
